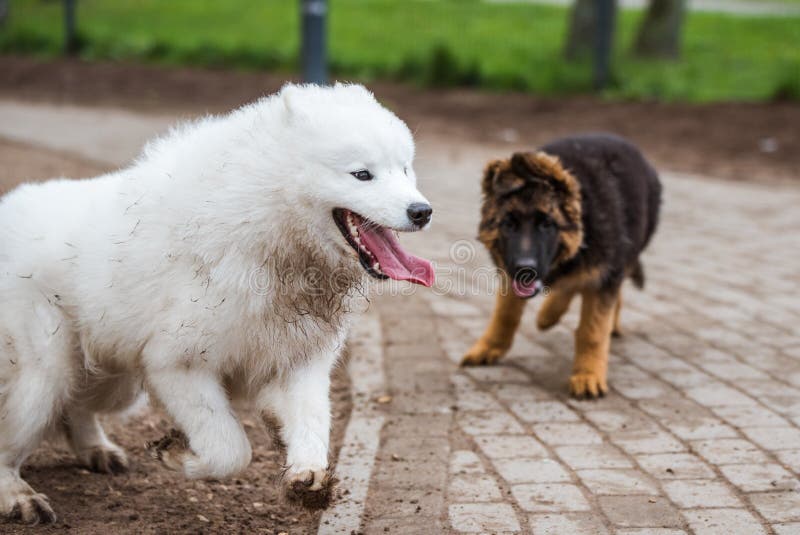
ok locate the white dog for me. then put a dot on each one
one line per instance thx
(224, 263)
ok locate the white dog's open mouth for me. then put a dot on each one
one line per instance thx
(380, 252)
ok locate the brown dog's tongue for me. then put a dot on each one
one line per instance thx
(394, 261)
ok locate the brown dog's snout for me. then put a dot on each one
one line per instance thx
(524, 267)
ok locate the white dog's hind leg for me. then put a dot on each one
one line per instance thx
(217, 444)
(90, 443)
(303, 409)
(28, 405)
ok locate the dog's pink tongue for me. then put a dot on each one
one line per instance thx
(394, 261)
(525, 288)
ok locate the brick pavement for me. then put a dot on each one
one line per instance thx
(701, 430)
(699, 433)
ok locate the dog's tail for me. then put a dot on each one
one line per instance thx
(637, 275)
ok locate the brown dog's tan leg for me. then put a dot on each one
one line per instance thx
(553, 308)
(497, 339)
(592, 339)
(616, 331)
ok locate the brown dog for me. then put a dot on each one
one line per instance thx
(573, 217)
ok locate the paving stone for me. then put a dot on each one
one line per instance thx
(483, 518)
(774, 438)
(543, 411)
(556, 434)
(617, 482)
(550, 497)
(531, 470)
(410, 474)
(497, 374)
(755, 477)
(412, 425)
(734, 371)
(639, 511)
(642, 389)
(791, 458)
(407, 502)
(729, 451)
(403, 524)
(488, 423)
(510, 392)
(675, 466)
(566, 523)
(699, 428)
(777, 506)
(439, 402)
(615, 421)
(650, 531)
(717, 395)
(414, 449)
(750, 416)
(789, 528)
(723, 522)
(636, 442)
(593, 456)
(511, 446)
(465, 462)
(689, 493)
(473, 488)
(475, 400)
(685, 379)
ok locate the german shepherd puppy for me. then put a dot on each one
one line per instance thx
(572, 217)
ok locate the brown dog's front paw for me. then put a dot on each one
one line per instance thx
(587, 385)
(171, 449)
(310, 489)
(483, 354)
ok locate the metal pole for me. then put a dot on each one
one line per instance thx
(70, 37)
(313, 53)
(3, 12)
(603, 41)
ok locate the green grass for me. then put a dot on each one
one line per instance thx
(433, 43)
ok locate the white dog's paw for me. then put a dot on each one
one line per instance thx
(23, 504)
(228, 459)
(310, 488)
(172, 450)
(108, 459)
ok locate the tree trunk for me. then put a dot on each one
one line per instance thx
(580, 37)
(659, 34)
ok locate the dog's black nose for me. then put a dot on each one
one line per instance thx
(419, 213)
(525, 267)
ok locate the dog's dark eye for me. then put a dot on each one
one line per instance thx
(547, 223)
(509, 222)
(363, 174)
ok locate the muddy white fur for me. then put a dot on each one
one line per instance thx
(143, 279)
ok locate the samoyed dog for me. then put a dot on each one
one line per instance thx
(224, 264)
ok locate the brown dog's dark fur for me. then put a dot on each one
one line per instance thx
(583, 208)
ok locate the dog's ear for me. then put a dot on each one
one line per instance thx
(288, 96)
(498, 180)
(546, 168)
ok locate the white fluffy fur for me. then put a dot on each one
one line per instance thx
(145, 278)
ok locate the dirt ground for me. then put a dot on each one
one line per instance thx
(149, 499)
(735, 140)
